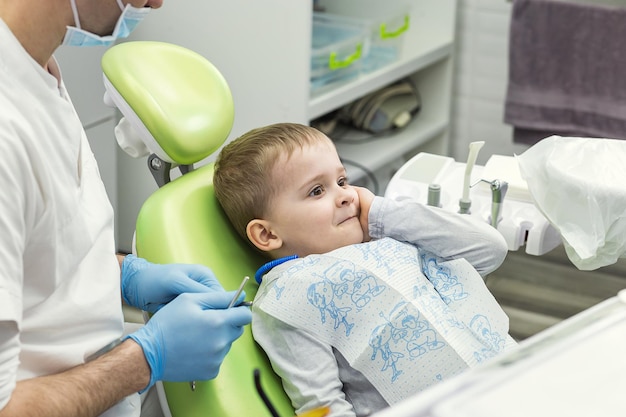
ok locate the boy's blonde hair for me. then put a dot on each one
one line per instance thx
(243, 179)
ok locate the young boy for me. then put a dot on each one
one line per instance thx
(367, 300)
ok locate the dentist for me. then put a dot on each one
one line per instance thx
(60, 278)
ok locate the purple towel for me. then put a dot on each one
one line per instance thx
(567, 70)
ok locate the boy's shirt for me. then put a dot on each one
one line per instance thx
(402, 317)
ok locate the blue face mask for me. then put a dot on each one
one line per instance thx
(128, 20)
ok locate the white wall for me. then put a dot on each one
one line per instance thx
(481, 76)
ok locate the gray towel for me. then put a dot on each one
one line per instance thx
(567, 70)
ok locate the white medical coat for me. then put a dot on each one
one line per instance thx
(59, 276)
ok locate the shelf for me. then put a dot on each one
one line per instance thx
(377, 153)
(426, 56)
(344, 93)
(429, 39)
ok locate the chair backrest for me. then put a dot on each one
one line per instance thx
(183, 222)
(182, 108)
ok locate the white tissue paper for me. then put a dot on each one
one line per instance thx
(579, 184)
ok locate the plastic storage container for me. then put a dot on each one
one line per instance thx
(387, 34)
(386, 29)
(339, 46)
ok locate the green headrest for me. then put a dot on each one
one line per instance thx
(177, 101)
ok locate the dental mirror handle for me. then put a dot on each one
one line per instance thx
(192, 384)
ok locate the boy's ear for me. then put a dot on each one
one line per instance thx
(261, 235)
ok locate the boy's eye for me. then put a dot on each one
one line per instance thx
(316, 191)
(342, 182)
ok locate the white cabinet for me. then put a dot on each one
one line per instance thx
(263, 49)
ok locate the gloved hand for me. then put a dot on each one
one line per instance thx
(149, 286)
(187, 339)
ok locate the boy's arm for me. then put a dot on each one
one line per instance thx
(307, 367)
(444, 233)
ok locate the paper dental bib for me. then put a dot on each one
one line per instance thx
(403, 318)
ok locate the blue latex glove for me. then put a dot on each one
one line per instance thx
(149, 286)
(187, 339)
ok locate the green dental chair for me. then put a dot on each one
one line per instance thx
(180, 106)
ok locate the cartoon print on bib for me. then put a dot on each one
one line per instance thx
(406, 319)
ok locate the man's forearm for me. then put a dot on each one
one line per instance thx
(84, 391)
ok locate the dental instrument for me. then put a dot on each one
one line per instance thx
(239, 290)
(192, 384)
(498, 191)
(465, 203)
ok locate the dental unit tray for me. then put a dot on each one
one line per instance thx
(520, 221)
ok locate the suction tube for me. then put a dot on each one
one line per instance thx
(465, 203)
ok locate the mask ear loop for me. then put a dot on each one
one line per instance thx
(121, 4)
(75, 13)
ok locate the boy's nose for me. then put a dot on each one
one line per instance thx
(346, 196)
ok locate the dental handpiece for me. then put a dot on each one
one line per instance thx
(498, 191)
(192, 384)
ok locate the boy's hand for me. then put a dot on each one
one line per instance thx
(365, 202)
